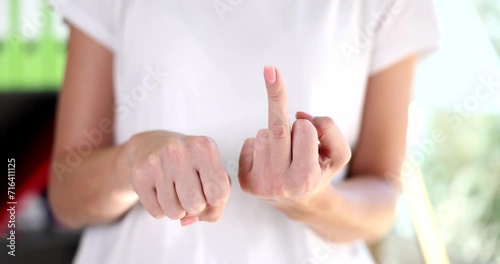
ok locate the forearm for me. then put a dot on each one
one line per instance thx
(93, 192)
(359, 208)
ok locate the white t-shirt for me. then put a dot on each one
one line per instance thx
(195, 67)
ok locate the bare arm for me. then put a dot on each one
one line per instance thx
(85, 188)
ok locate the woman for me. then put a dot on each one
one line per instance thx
(163, 106)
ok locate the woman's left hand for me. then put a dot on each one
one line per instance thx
(287, 166)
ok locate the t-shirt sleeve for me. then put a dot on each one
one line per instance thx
(98, 19)
(411, 27)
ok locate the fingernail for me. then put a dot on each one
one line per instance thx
(270, 74)
(308, 116)
(188, 221)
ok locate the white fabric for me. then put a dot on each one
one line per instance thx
(196, 67)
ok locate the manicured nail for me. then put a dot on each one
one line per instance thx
(188, 220)
(270, 74)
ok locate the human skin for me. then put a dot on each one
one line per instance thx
(110, 180)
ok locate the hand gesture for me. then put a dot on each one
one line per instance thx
(284, 164)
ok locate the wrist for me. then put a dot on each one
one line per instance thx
(308, 207)
(121, 165)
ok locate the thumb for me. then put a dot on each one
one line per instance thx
(246, 158)
(333, 144)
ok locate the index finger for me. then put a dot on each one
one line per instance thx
(277, 104)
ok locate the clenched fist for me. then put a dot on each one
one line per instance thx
(178, 176)
(284, 164)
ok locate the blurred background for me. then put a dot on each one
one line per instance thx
(449, 211)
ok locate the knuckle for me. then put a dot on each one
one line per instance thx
(263, 134)
(342, 157)
(262, 138)
(309, 169)
(175, 214)
(212, 217)
(276, 94)
(248, 145)
(201, 143)
(218, 196)
(157, 214)
(303, 181)
(153, 159)
(279, 131)
(250, 187)
(140, 177)
(309, 183)
(173, 148)
(217, 190)
(215, 218)
(277, 190)
(304, 125)
(206, 141)
(134, 141)
(301, 123)
(195, 207)
(325, 122)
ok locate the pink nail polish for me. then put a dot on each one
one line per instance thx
(270, 74)
(188, 220)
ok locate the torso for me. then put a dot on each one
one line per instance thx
(215, 88)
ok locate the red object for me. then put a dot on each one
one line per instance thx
(29, 140)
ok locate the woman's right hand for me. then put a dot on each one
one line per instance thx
(177, 176)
